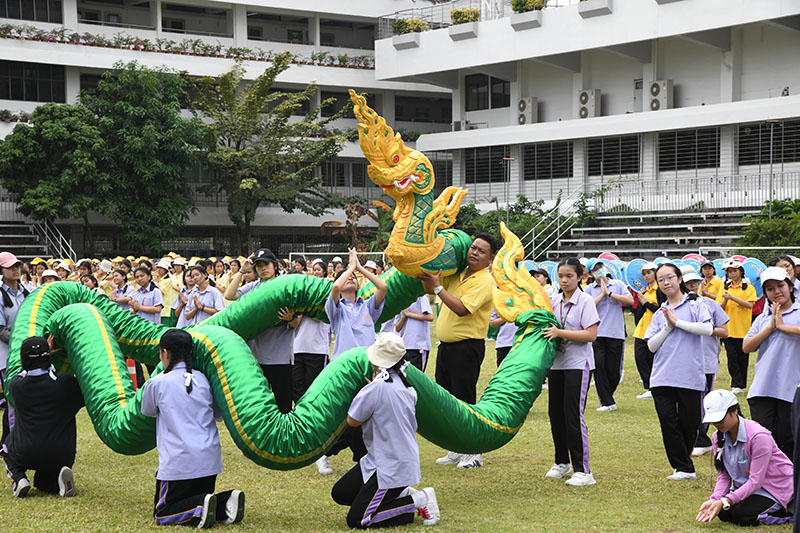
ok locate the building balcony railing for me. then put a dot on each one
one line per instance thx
(438, 16)
(117, 24)
(194, 47)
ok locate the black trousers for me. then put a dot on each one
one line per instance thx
(566, 403)
(418, 358)
(752, 511)
(738, 362)
(6, 410)
(796, 455)
(702, 440)
(644, 361)
(305, 370)
(607, 361)
(502, 353)
(181, 502)
(280, 381)
(776, 416)
(45, 479)
(679, 413)
(369, 505)
(140, 373)
(458, 366)
(352, 438)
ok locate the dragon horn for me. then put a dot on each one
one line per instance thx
(517, 291)
(378, 141)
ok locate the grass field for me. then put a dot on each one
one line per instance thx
(510, 493)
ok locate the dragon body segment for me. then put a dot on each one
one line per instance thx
(420, 241)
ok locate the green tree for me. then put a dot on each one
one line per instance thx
(782, 230)
(261, 153)
(148, 146)
(55, 166)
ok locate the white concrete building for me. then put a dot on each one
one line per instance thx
(667, 103)
(37, 71)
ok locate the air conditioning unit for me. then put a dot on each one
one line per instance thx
(589, 103)
(660, 95)
(461, 125)
(527, 111)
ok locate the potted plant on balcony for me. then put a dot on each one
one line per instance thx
(527, 14)
(5, 115)
(406, 32)
(464, 23)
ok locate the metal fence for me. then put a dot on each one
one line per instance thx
(438, 16)
(697, 193)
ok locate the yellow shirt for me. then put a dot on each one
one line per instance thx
(644, 322)
(715, 286)
(107, 285)
(168, 293)
(741, 317)
(475, 292)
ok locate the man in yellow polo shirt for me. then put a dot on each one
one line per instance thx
(462, 325)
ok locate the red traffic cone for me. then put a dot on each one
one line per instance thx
(131, 364)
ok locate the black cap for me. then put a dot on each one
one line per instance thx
(264, 254)
(34, 347)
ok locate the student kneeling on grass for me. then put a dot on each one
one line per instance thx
(378, 488)
(189, 453)
(754, 478)
(44, 436)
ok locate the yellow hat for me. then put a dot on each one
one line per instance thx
(37, 260)
(173, 255)
(130, 258)
(118, 259)
(95, 261)
(68, 261)
(212, 258)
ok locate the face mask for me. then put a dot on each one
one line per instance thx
(601, 273)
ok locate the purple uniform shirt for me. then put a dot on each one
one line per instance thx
(182, 320)
(777, 372)
(275, 345)
(711, 344)
(125, 291)
(210, 298)
(576, 314)
(679, 360)
(612, 321)
(353, 324)
(505, 333)
(416, 334)
(149, 298)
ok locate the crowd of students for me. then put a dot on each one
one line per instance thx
(679, 318)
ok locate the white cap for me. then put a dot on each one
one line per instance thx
(106, 266)
(49, 272)
(387, 350)
(731, 263)
(179, 261)
(337, 259)
(317, 261)
(691, 276)
(716, 403)
(371, 264)
(61, 264)
(583, 261)
(164, 263)
(776, 273)
(193, 262)
(649, 266)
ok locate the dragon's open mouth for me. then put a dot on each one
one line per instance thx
(403, 183)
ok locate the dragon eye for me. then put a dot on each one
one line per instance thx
(396, 158)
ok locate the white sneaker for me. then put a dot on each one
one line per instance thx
(737, 390)
(430, 512)
(646, 395)
(621, 375)
(234, 507)
(557, 471)
(324, 466)
(606, 408)
(452, 458)
(21, 488)
(697, 451)
(66, 483)
(581, 479)
(209, 514)
(471, 461)
(682, 476)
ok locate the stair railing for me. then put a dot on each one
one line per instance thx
(57, 244)
(561, 219)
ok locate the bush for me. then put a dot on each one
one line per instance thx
(462, 16)
(523, 6)
(411, 25)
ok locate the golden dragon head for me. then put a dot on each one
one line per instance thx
(517, 291)
(394, 167)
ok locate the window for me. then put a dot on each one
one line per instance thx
(31, 82)
(89, 83)
(341, 100)
(478, 94)
(412, 109)
(39, 10)
(485, 164)
(754, 142)
(688, 149)
(613, 155)
(544, 161)
(359, 175)
(254, 32)
(333, 174)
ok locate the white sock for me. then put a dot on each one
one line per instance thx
(420, 499)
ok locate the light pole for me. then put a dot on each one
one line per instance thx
(771, 175)
(507, 162)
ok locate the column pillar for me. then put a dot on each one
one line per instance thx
(239, 25)
(155, 16)
(69, 14)
(388, 107)
(313, 31)
(72, 84)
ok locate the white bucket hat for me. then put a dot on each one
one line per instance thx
(387, 350)
(164, 263)
(106, 266)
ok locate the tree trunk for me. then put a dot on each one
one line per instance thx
(88, 239)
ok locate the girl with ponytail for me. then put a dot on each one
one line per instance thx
(189, 453)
